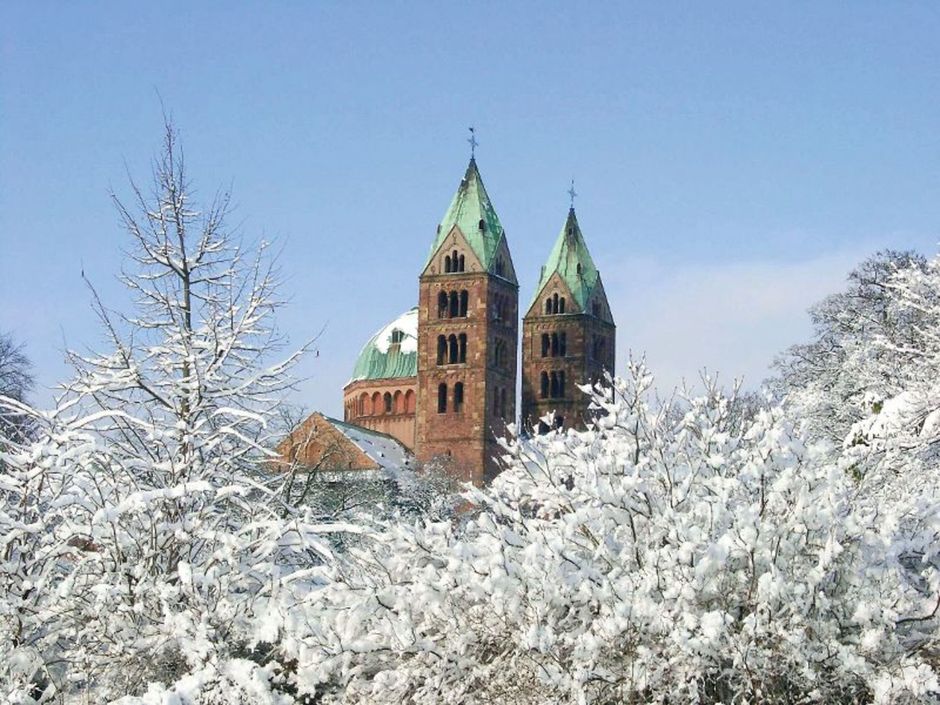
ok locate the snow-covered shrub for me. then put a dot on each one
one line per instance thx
(645, 560)
(139, 543)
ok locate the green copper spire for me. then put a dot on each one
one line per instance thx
(472, 212)
(571, 259)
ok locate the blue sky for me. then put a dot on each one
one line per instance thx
(733, 160)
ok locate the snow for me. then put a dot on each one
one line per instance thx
(407, 323)
(384, 450)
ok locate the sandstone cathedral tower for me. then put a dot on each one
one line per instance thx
(468, 334)
(439, 381)
(567, 334)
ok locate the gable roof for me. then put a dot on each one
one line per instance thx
(567, 254)
(470, 205)
(328, 445)
(383, 450)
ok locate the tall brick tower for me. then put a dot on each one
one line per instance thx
(567, 334)
(468, 330)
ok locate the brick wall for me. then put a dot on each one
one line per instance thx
(365, 404)
(467, 435)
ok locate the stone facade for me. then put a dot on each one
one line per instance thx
(465, 399)
(560, 352)
(383, 405)
(568, 336)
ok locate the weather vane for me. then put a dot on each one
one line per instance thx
(572, 193)
(473, 143)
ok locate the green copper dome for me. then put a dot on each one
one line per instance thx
(471, 206)
(571, 259)
(392, 352)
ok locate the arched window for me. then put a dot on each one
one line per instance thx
(442, 398)
(387, 401)
(495, 401)
(553, 389)
(460, 263)
(561, 305)
(554, 344)
(454, 305)
(463, 347)
(453, 261)
(599, 347)
(544, 385)
(502, 403)
(441, 349)
(454, 353)
(563, 344)
(596, 309)
(548, 305)
(410, 401)
(464, 302)
(545, 344)
(365, 408)
(554, 303)
(500, 267)
(398, 401)
(579, 269)
(377, 404)
(442, 304)
(458, 397)
(447, 264)
(482, 225)
(561, 384)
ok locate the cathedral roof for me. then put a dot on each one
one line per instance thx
(571, 259)
(392, 352)
(470, 206)
(330, 445)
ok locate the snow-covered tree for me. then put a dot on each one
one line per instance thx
(16, 381)
(831, 381)
(896, 444)
(646, 560)
(139, 544)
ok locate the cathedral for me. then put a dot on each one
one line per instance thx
(442, 378)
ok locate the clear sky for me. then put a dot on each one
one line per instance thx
(733, 160)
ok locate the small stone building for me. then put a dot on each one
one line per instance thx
(325, 444)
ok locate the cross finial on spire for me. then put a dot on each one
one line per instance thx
(473, 143)
(572, 193)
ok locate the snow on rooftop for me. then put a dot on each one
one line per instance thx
(407, 325)
(384, 450)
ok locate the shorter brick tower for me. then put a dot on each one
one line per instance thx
(468, 334)
(568, 335)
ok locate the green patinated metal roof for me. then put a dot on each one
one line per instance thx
(381, 358)
(470, 205)
(570, 251)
